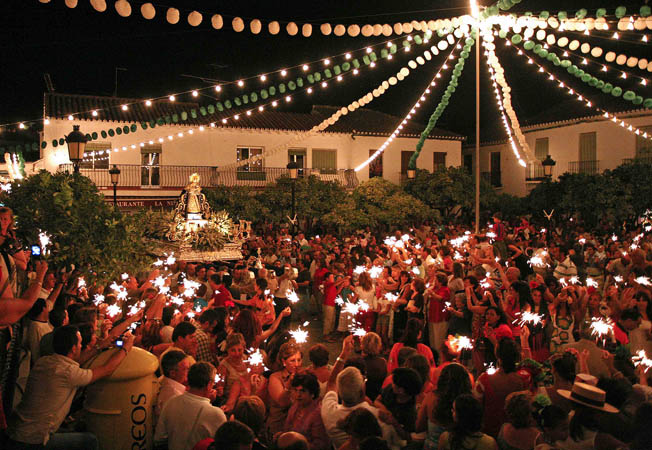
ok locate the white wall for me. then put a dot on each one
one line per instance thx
(217, 147)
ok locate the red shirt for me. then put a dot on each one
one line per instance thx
(318, 278)
(437, 312)
(221, 297)
(330, 292)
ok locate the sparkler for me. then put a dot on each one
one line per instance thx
(177, 301)
(641, 359)
(528, 317)
(491, 235)
(415, 270)
(375, 271)
(645, 281)
(255, 358)
(98, 299)
(405, 237)
(113, 310)
(81, 283)
(537, 261)
(292, 296)
(408, 261)
(218, 378)
(356, 329)
(459, 343)
(563, 282)
(491, 369)
(339, 300)
(574, 280)
(159, 282)
(391, 297)
(590, 282)
(299, 335)
(601, 328)
(485, 283)
(581, 241)
(359, 269)
(614, 238)
(125, 276)
(618, 278)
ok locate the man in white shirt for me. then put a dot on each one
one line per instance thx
(51, 387)
(174, 365)
(351, 390)
(190, 417)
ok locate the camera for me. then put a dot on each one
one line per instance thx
(36, 251)
(119, 343)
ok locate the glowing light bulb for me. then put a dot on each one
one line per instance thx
(172, 98)
(236, 117)
(324, 84)
(46, 121)
(263, 78)
(261, 108)
(615, 36)
(148, 103)
(309, 90)
(124, 107)
(327, 62)
(305, 67)
(274, 103)
(348, 56)
(284, 72)
(218, 88)
(355, 71)
(248, 113)
(70, 117)
(21, 126)
(604, 68)
(240, 83)
(368, 49)
(339, 78)
(195, 93)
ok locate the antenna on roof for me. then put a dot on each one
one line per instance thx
(48, 82)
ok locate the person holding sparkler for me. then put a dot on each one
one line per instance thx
(279, 386)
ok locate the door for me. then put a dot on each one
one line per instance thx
(150, 170)
(376, 166)
(495, 169)
(405, 160)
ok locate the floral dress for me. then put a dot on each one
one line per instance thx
(562, 331)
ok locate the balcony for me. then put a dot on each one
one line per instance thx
(640, 159)
(493, 177)
(176, 177)
(588, 167)
(534, 172)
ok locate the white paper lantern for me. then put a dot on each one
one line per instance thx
(99, 5)
(574, 45)
(44, 1)
(458, 33)
(398, 28)
(528, 33)
(553, 22)
(596, 52)
(400, 76)
(424, 25)
(420, 60)
(412, 64)
(273, 27)
(217, 21)
(570, 24)
(368, 97)
(639, 24)
(434, 50)
(353, 30)
(407, 28)
(439, 24)
(356, 105)
(340, 30)
(442, 45)
(450, 39)
(195, 18)
(351, 107)
(71, 3)
(541, 35)
(455, 22)
(255, 26)
(432, 25)
(517, 29)
(148, 11)
(367, 30)
(648, 22)
(585, 48)
(325, 29)
(385, 84)
(392, 81)
(172, 16)
(375, 93)
(610, 56)
(649, 66)
(642, 63)
(550, 39)
(404, 71)
(377, 29)
(292, 29)
(123, 8)
(238, 24)
(416, 25)
(306, 30)
(580, 26)
(387, 30)
(621, 59)
(589, 22)
(632, 61)
(623, 23)
(428, 55)
(601, 23)
(344, 111)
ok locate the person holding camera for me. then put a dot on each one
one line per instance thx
(51, 387)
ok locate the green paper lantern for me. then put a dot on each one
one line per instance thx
(373, 57)
(406, 43)
(54, 143)
(579, 73)
(134, 128)
(418, 39)
(168, 119)
(384, 53)
(175, 118)
(299, 83)
(467, 48)
(236, 100)
(585, 78)
(317, 77)
(210, 109)
(227, 104)
(562, 15)
(125, 130)
(346, 66)
(593, 82)
(245, 99)
(337, 70)
(529, 45)
(517, 39)
(469, 41)
(459, 65)
(544, 15)
(292, 85)
(647, 103)
(572, 69)
(600, 84)
(617, 91)
(645, 11)
(254, 96)
(566, 63)
(220, 106)
(580, 14)
(629, 95)
(393, 49)
(328, 73)
(311, 79)
(550, 56)
(159, 122)
(440, 33)
(621, 11)
(264, 94)
(601, 12)
(44, 144)
(118, 131)
(94, 135)
(464, 54)
(556, 61)
(537, 48)
(637, 100)
(193, 113)
(62, 141)
(184, 115)
(356, 63)
(88, 137)
(272, 91)
(111, 132)
(607, 88)
(543, 53)
(366, 60)
(502, 33)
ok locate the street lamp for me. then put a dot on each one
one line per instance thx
(548, 164)
(293, 168)
(411, 173)
(76, 145)
(115, 178)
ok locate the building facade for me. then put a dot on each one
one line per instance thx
(584, 145)
(155, 162)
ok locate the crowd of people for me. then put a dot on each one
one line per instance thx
(516, 337)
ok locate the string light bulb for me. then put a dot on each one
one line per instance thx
(347, 56)
(284, 72)
(263, 77)
(195, 93)
(327, 62)
(148, 103)
(70, 117)
(240, 83)
(218, 88)
(172, 98)
(124, 107)
(305, 67)
(94, 113)
(615, 35)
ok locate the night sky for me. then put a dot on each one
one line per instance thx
(80, 49)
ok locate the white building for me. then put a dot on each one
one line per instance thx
(158, 169)
(590, 144)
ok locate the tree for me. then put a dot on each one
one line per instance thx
(239, 201)
(635, 178)
(84, 230)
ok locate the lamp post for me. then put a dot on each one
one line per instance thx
(76, 145)
(293, 169)
(411, 173)
(115, 178)
(548, 164)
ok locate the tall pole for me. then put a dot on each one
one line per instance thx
(115, 195)
(294, 182)
(477, 129)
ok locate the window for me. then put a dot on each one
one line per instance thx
(324, 160)
(405, 160)
(468, 163)
(495, 169)
(588, 159)
(243, 153)
(150, 165)
(376, 166)
(438, 161)
(97, 156)
(541, 149)
(643, 145)
(298, 155)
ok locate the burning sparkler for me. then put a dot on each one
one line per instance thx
(641, 359)
(81, 282)
(645, 281)
(98, 299)
(601, 327)
(459, 343)
(44, 240)
(299, 335)
(491, 369)
(375, 271)
(125, 276)
(391, 297)
(292, 296)
(255, 358)
(590, 282)
(528, 317)
(359, 269)
(113, 310)
(218, 378)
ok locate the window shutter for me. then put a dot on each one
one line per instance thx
(587, 147)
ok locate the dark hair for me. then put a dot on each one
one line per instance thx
(361, 423)
(508, 355)
(307, 381)
(518, 410)
(403, 354)
(168, 314)
(170, 361)
(373, 443)
(549, 416)
(617, 390)
(182, 330)
(247, 324)
(57, 316)
(502, 318)
(200, 374)
(85, 314)
(468, 411)
(86, 330)
(251, 411)
(261, 283)
(358, 362)
(64, 339)
(231, 435)
(36, 309)
(630, 314)
(584, 417)
(208, 315)
(419, 363)
(442, 278)
(216, 278)
(453, 381)
(565, 366)
(408, 379)
(411, 335)
(524, 294)
(73, 308)
(318, 355)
